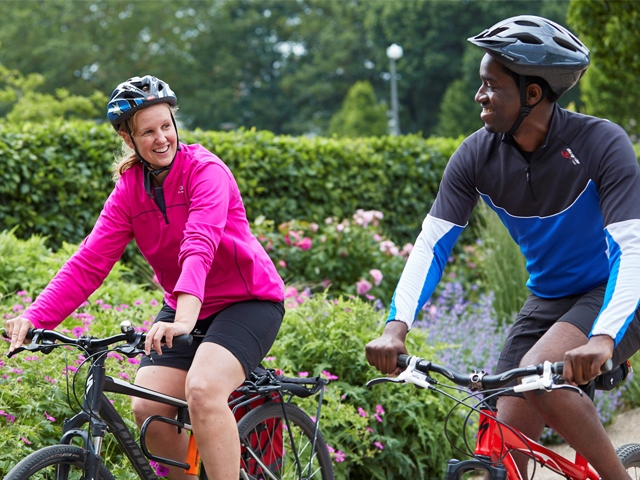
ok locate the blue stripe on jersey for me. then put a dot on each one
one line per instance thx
(566, 252)
(441, 251)
(615, 253)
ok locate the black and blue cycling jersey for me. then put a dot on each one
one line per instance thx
(572, 205)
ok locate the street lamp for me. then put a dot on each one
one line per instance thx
(394, 52)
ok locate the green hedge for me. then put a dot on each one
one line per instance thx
(57, 176)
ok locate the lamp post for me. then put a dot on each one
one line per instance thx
(394, 52)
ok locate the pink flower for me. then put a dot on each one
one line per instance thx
(153, 302)
(369, 429)
(379, 445)
(363, 286)
(292, 238)
(339, 456)
(50, 380)
(49, 417)
(25, 440)
(378, 417)
(77, 332)
(133, 361)
(282, 263)
(340, 227)
(313, 227)
(303, 374)
(124, 376)
(329, 375)
(362, 412)
(269, 359)
(17, 308)
(115, 355)
(376, 275)
(379, 409)
(22, 293)
(290, 292)
(305, 243)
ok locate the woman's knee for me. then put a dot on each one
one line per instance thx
(143, 409)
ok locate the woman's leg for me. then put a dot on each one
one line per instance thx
(162, 439)
(214, 375)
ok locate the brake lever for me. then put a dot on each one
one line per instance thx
(376, 381)
(558, 386)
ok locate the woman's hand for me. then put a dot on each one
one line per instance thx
(187, 312)
(17, 329)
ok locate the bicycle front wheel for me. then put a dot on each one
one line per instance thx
(57, 462)
(630, 457)
(277, 442)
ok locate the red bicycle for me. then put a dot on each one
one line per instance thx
(495, 440)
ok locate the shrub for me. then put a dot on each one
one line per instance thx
(57, 176)
(337, 255)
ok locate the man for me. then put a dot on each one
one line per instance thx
(567, 187)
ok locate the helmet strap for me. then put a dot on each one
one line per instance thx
(525, 109)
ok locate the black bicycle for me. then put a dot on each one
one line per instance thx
(278, 439)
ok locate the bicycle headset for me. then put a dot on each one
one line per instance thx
(134, 95)
(534, 46)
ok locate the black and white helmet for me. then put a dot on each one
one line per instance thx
(134, 95)
(535, 46)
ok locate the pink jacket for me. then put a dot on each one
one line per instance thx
(204, 248)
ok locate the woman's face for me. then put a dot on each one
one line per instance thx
(154, 135)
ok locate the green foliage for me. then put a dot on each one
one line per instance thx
(611, 31)
(361, 115)
(20, 101)
(57, 176)
(330, 336)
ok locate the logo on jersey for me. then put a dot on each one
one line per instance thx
(569, 154)
(181, 189)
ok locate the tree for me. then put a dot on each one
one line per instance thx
(361, 115)
(20, 101)
(611, 30)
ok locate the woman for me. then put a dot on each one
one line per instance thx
(182, 206)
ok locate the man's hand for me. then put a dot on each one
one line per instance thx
(383, 352)
(582, 364)
(17, 329)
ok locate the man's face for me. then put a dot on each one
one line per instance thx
(499, 96)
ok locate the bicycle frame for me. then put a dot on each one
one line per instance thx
(494, 444)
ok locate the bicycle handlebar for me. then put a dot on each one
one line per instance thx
(43, 340)
(542, 376)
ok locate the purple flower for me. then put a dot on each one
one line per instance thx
(49, 417)
(77, 332)
(339, 456)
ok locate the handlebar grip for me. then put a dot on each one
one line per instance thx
(403, 360)
(186, 339)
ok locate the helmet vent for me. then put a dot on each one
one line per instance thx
(527, 38)
(526, 23)
(564, 44)
(495, 32)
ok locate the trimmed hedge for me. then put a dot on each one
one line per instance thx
(57, 176)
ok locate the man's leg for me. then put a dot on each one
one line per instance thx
(573, 416)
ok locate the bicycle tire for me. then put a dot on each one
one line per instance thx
(43, 464)
(629, 455)
(300, 427)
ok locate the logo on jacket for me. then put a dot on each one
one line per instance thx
(569, 154)
(181, 189)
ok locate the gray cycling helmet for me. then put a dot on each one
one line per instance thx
(134, 95)
(534, 46)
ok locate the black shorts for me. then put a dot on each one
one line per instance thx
(247, 329)
(539, 314)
